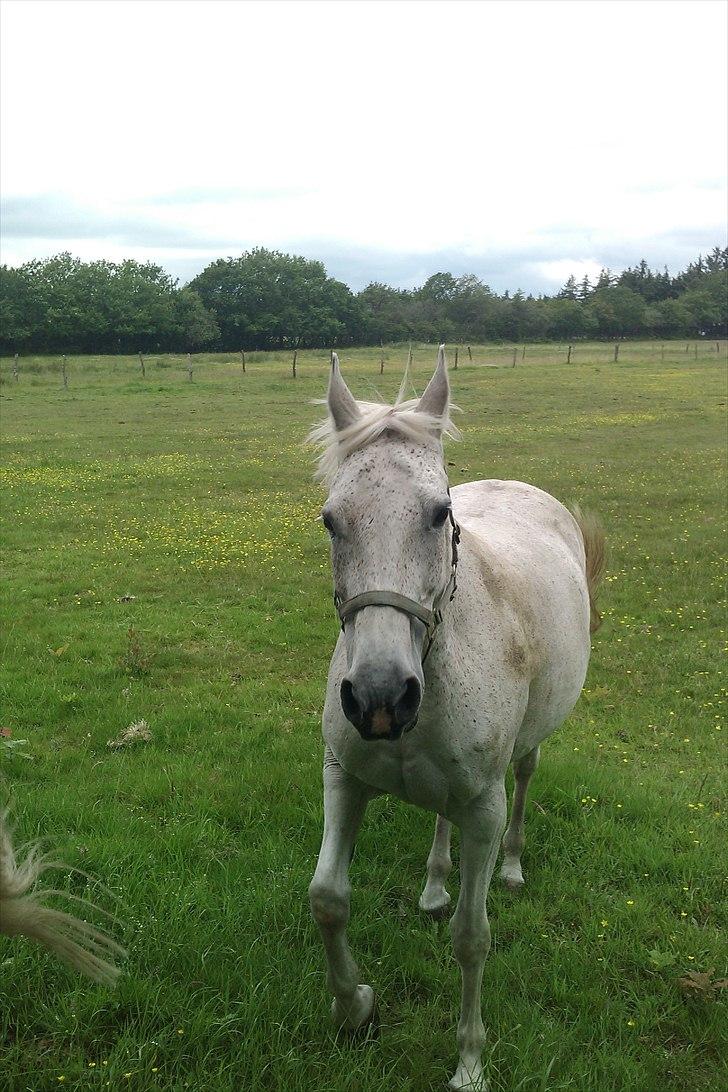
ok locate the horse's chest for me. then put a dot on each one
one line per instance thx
(433, 776)
(418, 770)
(424, 783)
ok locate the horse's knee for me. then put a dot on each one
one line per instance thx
(471, 942)
(329, 904)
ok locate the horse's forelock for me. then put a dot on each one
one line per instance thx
(376, 418)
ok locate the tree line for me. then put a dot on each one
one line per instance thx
(268, 300)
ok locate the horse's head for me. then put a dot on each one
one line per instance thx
(393, 543)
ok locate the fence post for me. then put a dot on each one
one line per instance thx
(295, 358)
(141, 364)
(242, 357)
(470, 355)
(381, 360)
(455, 365)
(523, 353)
(717, 348)
(515, 354)
(189, 366)
(63, 371)
(616, 352)
(15, 368)
(568, 356)
(409, 357)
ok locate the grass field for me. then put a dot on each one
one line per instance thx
(162, 561)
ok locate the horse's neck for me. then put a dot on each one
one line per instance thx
(482, 595)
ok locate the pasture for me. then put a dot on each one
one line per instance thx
(162, 561)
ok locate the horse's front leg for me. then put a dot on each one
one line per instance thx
(345, 800)
(481, 831)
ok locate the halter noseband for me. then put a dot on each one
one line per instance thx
(430, 618)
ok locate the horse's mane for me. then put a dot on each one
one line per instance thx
(375, 418)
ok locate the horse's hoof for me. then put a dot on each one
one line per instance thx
(437, 913)
(467, 1080)
(360, 1020)
(368, 1030)
(512, 882)
(435, 910)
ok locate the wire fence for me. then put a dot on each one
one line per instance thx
(67, 370)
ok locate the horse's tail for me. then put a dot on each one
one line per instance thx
(23, 913)
(595, 550)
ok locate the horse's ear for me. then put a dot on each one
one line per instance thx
(342, 405)
(436, 397)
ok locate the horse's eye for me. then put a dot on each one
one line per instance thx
(440, 516)
(328, 523)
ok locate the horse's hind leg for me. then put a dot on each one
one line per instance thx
(514, 838)
(435, 899)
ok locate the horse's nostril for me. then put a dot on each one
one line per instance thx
(350, 703)
(409, 701)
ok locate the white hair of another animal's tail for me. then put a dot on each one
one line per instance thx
(23, 913)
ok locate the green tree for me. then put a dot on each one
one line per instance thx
(668, 318)
(473, 311)
(387, 313)
(21, 311)
(707, 305)
(265, 299)
(523, 319)
(619, 311)
(96, 306)
(584, 290)
(440, 288)
(194, 325)
(567, 319)
(569, 291)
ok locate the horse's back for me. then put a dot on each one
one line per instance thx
(512, 513)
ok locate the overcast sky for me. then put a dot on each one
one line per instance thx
(519, 141)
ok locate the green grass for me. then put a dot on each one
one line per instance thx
(197, 500)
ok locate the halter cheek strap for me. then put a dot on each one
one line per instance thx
(431, 618)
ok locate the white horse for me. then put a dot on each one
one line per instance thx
(465, 642)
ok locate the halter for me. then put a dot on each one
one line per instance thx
(430, 618)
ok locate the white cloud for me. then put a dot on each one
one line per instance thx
(558, 272)
(398, 128)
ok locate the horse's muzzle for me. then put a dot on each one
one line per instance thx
(381, 712)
